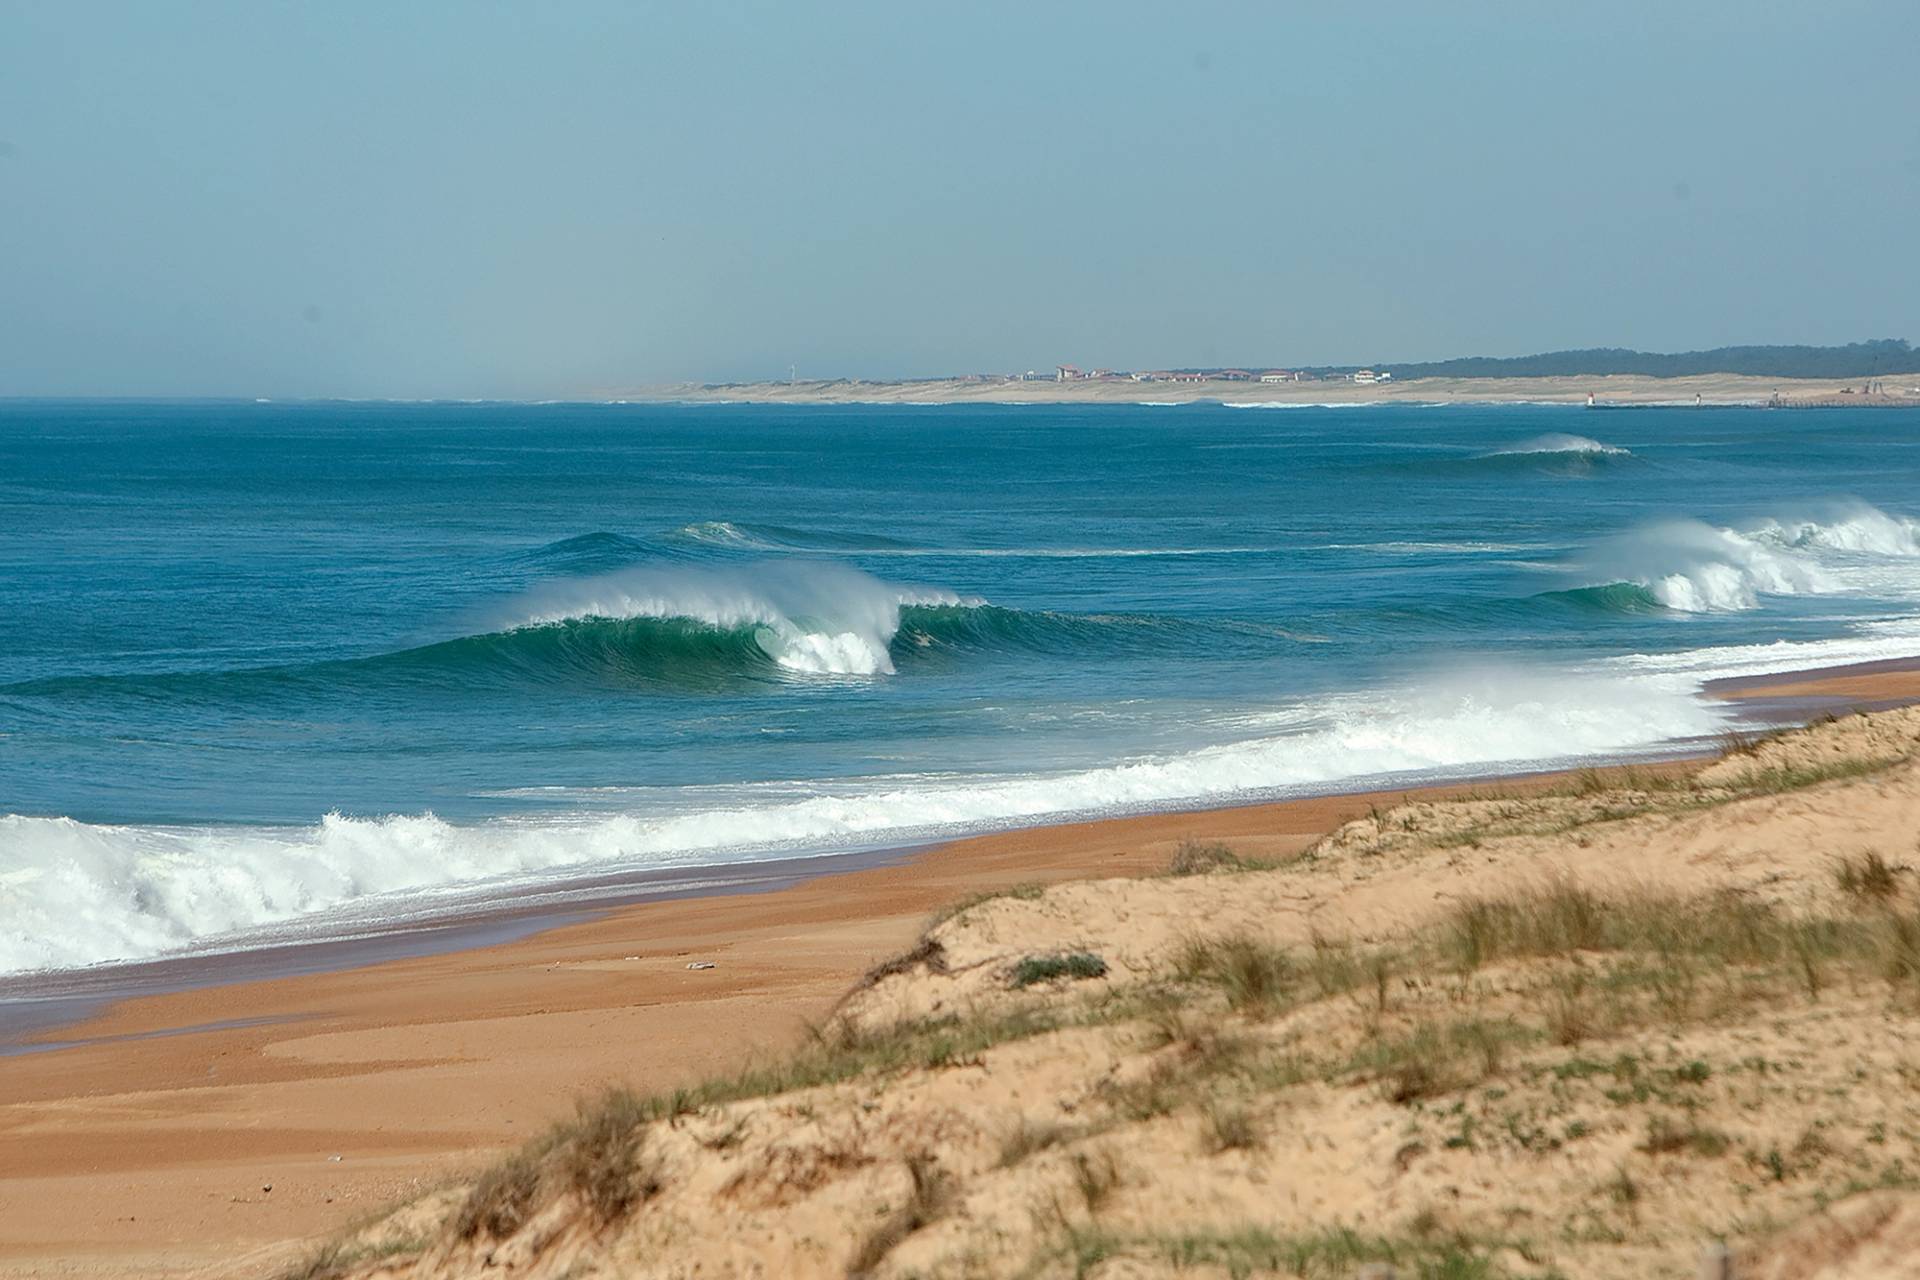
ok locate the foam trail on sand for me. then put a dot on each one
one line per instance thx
(76, 893)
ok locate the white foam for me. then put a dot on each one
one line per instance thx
(75, 893)
(1560, 442)
(1321, 404)
(1694, 567)
(820, 619)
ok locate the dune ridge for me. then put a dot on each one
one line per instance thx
(1579, 1032)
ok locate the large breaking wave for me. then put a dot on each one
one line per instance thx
(822, 619)
(1693, 567)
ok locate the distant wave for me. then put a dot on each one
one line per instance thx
(1559, 442)
(777, 538)
(1692, 567)
(773, 537)
(77, 893)
(586, 553)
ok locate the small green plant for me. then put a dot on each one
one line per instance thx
(1694, 1072)
(1077, 965)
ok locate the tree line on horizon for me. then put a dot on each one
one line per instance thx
(1885, 356)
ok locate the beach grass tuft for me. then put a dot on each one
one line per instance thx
(930, 1193)
(600, 1155)
(500, 1200)
(1866, 876)
(1256, 976)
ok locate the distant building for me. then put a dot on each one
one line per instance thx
(1279, 375)
(1067, 373)
(1185, 377)
(1366, 376)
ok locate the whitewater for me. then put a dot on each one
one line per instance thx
(506, 652)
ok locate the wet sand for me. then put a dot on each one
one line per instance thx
(207, 1130)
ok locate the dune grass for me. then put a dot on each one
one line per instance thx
(930, 1194)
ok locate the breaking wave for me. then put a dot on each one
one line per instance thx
(820, 619)
(1690, 566)
(76, 893)
(1559, 442)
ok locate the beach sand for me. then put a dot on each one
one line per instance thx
(315, 1100)
(1617, 389)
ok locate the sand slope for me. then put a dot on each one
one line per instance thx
(1583, 1033)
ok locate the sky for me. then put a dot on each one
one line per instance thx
(463, 198)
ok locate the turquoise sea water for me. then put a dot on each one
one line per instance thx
(272, 671)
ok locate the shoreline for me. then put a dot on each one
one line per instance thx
(1610, 391)
(35, 1005)
(141, 1146)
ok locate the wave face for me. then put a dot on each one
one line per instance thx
(1693, 567)
(817, 619)
(76, 893)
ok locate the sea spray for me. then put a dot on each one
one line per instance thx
(1690, 566)
(1559, 442)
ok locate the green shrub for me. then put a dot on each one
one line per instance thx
(1077, 965)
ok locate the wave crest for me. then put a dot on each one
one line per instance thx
(1560, 442)
(818, 619)
(1692, 567)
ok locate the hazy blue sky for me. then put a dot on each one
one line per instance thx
(463, 198)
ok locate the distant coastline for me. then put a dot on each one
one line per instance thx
(1639, 390)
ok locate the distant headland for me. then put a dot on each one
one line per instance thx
(1884, 373)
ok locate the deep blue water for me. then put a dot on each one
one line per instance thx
(502, 645)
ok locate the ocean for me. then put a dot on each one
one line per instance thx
(273, 672)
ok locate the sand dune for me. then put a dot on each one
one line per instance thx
(1582, 1032)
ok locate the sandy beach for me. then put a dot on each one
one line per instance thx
(209, 1131)
(1614, 390)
